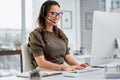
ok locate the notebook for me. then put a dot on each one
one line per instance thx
(44, 74)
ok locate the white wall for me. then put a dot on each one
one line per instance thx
(73, 34)
(36, 4)
(87, 9)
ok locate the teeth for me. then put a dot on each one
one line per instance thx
(54, 22)
(48, 17)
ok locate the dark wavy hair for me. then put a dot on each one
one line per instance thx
(41, 20)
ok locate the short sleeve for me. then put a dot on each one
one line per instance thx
(66, 43)
(36, 44)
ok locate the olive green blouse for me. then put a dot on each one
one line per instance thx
(53, 50)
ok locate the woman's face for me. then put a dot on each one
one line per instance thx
(53, 15)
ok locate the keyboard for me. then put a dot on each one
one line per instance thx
(88, 69)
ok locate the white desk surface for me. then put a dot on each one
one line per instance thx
(94, 75)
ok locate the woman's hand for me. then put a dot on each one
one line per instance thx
(82, 66)
(69, 68)
(85, 65)
(76, 67)
(73, 67)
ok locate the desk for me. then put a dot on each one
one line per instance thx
(94, 75)
(12, 52)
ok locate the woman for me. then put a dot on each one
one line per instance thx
(48, 44)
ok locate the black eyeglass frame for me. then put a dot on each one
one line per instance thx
(55, 14)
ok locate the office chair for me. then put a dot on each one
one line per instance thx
(26, 59)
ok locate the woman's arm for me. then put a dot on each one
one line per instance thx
(69, 60)
(42, 63)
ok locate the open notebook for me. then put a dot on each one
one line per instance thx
(44, 73)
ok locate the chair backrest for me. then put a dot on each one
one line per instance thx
(26, 59)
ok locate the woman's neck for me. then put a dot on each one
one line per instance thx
(49, 28)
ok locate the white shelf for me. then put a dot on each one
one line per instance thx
(82, 56)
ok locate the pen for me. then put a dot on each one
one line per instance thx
(69, 76)
(97, 66)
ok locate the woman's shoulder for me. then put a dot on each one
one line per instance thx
(63, 34)
(61, 31)
(36, 32)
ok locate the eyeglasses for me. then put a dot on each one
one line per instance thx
(55, 14)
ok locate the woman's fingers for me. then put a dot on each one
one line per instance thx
(69, 68)
(78, 67)
(84, 65)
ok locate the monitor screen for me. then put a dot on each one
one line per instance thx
(106, 28)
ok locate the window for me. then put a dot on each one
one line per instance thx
(15, 25)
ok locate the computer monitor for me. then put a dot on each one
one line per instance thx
(117, 43)
(106, 28)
